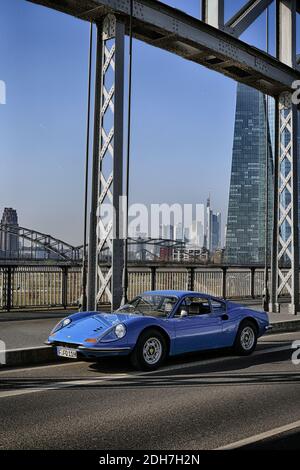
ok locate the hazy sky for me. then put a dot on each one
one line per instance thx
(182, 127)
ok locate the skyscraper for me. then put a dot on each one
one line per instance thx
(9, 243)
(213, 229)
(178, 232)
(197, 233)
(245, 235)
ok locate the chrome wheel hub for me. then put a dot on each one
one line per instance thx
(152, 351)
(247, 338)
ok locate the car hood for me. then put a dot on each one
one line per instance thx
(92, 326)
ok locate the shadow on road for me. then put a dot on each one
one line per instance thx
(227, 373)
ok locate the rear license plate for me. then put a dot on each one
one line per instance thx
(66, 352)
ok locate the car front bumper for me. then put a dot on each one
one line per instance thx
(90, 352)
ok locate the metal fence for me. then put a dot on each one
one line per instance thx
(39, 286)
(60, 286)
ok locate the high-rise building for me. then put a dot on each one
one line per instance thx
(187, 234)
(167, 232)
(245, 234)
(197, 233)
(178, 232)
(213, 229)
(9, 243)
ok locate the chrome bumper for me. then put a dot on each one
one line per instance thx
(84, 348)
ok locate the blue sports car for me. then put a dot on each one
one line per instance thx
(158, 324)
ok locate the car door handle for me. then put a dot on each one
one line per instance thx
(225, 317)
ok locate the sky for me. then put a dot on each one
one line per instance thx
(182, 120)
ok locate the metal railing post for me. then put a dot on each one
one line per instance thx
(224, 280)
(191, 278)
(64, 286)
(153, 277)
(252, 283)
(8, 289)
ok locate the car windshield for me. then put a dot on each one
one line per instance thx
(151, 305)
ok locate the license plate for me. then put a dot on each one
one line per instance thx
(66, 352)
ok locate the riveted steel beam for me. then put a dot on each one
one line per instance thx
(170, 29)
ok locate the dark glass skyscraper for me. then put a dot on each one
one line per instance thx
(245, 235)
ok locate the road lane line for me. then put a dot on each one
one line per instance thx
(261, 437)
(48, 366)
(61, 386)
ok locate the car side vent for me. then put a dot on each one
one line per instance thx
(98, 329)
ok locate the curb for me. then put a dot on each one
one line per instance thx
(46, 354)
(29, 356)
(284, 327)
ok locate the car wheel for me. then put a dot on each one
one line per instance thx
(150, 351)
(246, 338)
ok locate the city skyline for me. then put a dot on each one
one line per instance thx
(53, 103)
(195, 232)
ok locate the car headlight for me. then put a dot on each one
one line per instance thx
(61, 324)
(120, 330)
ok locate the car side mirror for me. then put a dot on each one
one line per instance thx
(183, 314)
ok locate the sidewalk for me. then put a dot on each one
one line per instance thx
(28, 329)
(22, 315)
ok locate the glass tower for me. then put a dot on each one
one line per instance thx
(246, 223)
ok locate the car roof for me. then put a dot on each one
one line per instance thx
(177, 293)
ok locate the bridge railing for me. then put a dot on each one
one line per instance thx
(37, 286)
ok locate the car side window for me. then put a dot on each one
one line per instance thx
(194, 306)
(218, 306)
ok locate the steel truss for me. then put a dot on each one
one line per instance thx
(286, 250)
(214, 44)
(108, 165)
(63, 251)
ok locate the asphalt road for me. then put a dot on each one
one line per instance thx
(203, 401)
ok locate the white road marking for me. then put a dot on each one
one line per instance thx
(102, 379)
(269, 337)
(61, 386)
(261, 437)
(48, 366)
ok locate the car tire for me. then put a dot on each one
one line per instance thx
(246, 338)
(150, 351)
